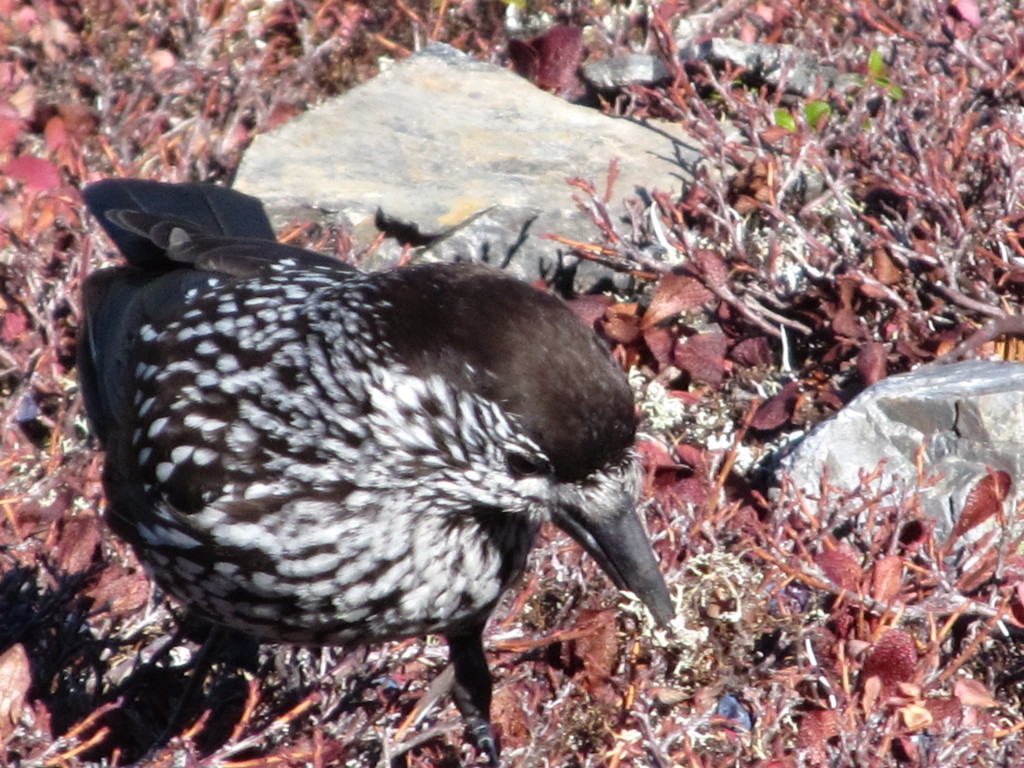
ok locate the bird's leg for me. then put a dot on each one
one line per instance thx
(472, 689)
(201, 664)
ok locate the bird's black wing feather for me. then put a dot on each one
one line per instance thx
(175, 238)
(210, 209)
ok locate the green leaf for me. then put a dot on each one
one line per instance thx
(817, 112)
(896, 93)
(784, 119)
(876, 67)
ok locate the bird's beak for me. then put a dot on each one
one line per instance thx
(612, 534)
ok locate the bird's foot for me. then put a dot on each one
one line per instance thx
(480, 733)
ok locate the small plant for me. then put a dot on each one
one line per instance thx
(878, 74)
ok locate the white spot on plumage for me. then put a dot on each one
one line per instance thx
(156, 427)
(267, 582)
(260, 490)
(182, 453)
(208, 379)
(204, 424)
(204, 456)
(227, 364)
(207, 347)
(318, 565)
(241, 437)
(248, 536)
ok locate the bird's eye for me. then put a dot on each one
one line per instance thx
(525, 465)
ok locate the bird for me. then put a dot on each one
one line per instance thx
(313, 454)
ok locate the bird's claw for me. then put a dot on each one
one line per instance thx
(482, 736)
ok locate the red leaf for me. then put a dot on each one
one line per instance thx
(508, 713)
(77, 543)
(973, 693)
(777, 409)
(590, 308)
(691, 455)
(37, 174)
(598, 650)
(871, 363)
(886, 577)
(621, 324)
(121, 592)
(841, 566)
(848, 324)
(674, 295)
(753, 352)
(816, 728)
(892, 659)
(712, 266)
(703, 357)
(661, 342)
(15, 679)
(55, 133)
(985, 499)
(14, 325)
(655, 456)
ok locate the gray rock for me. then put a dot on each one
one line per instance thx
(472, 160)
(804, 74)
(967, 418)
(617, 72)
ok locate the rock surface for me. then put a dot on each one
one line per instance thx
(465, 160)
(966, 419)
(800, 74)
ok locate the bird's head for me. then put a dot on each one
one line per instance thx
(542, 420)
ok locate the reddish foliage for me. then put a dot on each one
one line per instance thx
(661, 343)
(842, 566)
(817, 727)
(777, 410)
(37, 174)
(985, 500)
(79, 537)
(676, 293)
(15, 679)
(871, 363)
(753, 352)
(886, 576)
(892, 659)
(703, 357)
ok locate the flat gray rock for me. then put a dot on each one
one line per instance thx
(464, 157)
(967, 417)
